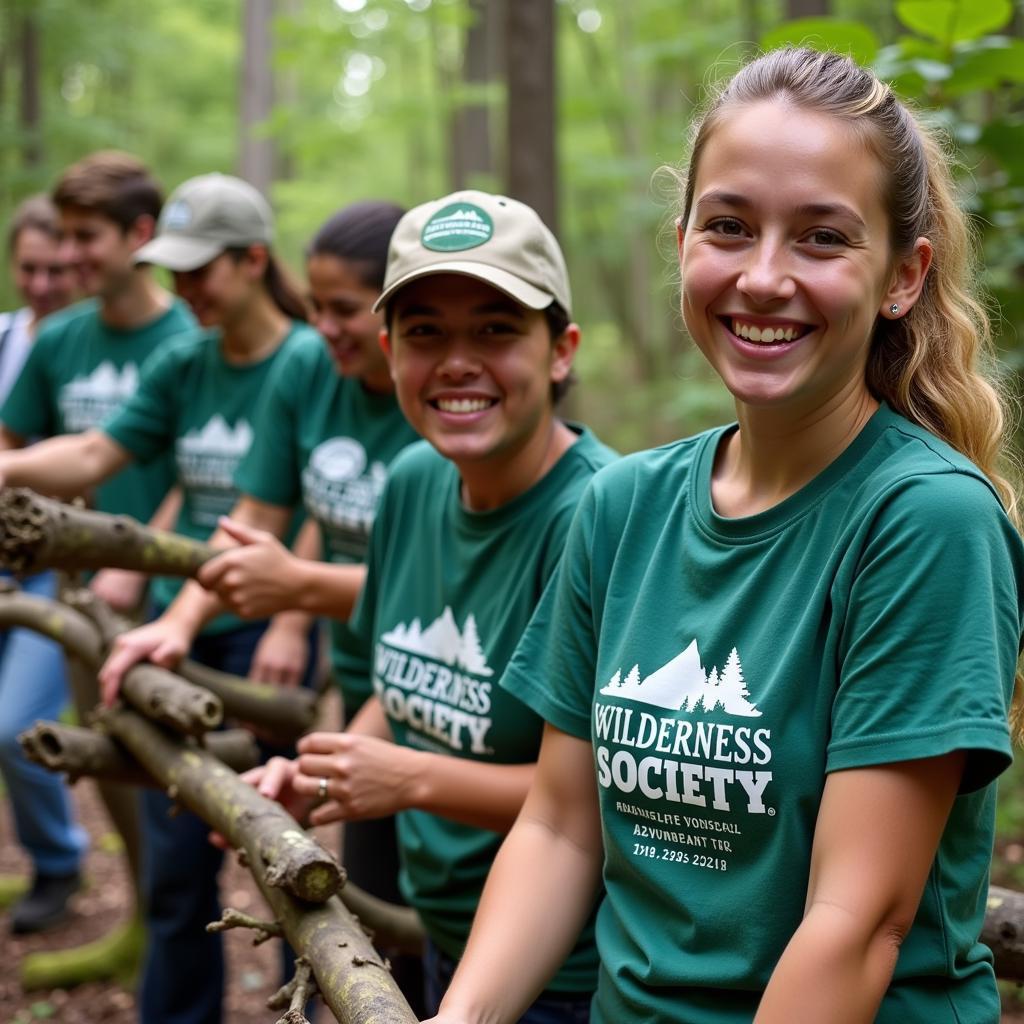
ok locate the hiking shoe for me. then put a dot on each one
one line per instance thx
(45, 904)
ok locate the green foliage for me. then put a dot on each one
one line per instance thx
(849, 37)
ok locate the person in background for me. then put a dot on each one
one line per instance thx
(327, 428)
(195, 400)
(778, 659)
(83, 364)
(33, 682)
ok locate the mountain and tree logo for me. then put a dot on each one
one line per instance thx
(218, 439)
(456, 227)
(683, 685)
(443, 641)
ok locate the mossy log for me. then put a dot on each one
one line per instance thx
(1003, 932)
(159, 694)
(289, 712)
(297, 877)
(195, 778)
(86, 632)
(39, 533)
(78, 752)
(394, 928)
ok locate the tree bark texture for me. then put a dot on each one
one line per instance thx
(296, 875)
(1003, 932)
(39, 533)
(256, 96)
(190, 706)
(530, 70)
(77, 751)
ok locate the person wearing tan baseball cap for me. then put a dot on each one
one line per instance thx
(490, 237)
(469, 529)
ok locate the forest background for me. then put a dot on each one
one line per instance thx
(573, 105)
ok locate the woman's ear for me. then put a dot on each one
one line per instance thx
(907, 282)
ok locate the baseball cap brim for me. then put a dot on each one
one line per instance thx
(514, 287)
(178, 252)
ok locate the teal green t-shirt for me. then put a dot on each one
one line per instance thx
(722, 667)
(447, 596)
(194, 403)
(326, 441)
(78, 372)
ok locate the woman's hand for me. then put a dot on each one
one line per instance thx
(164, 642)
(256, 580)
(366, 777)
(122, 589)
(282, 654)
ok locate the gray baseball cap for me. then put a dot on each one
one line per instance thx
(493, 238)
(203, 217)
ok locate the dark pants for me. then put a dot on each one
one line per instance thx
(183, 976)
(549, 1008)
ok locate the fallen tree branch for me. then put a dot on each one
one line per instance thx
(159, 694)
(294, 994)
(76, 751)
(286, 855)
(231, 918)
(86, 632)
(1003, 932)
(39, 533)
(289, 711)
(352, 979)
(392, 927)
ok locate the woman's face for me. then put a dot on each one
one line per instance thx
(343, 314)
(785, 258)
(42, 274)
(220, 291)
(473, 369)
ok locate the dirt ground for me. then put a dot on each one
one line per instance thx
(104, 903)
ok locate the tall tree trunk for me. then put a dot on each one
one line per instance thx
(806, 8)
(471, 147)
(530, 71)
(256, 154)
(30, 113)
(750, 16)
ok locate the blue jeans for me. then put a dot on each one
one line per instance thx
(549, 1007)
(183, 975)
(33, 685)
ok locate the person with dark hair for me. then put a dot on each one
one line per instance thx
(470, 528)
(196, 399)
(83, 364)
(327, 428)
(779, 657)
(33, 683)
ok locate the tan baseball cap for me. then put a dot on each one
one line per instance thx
(203, 217)
(493, 238)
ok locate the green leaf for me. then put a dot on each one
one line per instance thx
(987, 68)
(1004, 140)
(849, 37)
(952, 20)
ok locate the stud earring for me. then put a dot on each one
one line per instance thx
(895, 309)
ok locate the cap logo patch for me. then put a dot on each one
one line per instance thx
(456, 227)
(178, 215)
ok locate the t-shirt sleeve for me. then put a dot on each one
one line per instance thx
(929, 650)
(30, 409)
(553, 668)
(270, 471)
(146, 423)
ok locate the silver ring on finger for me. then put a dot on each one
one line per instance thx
(321, 789)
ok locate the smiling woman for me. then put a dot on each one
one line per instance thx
(759, 727)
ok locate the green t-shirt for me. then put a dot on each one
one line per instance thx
(721, 667)
(326, 441)
(192, 402)
(79, 371)
(447, 596)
